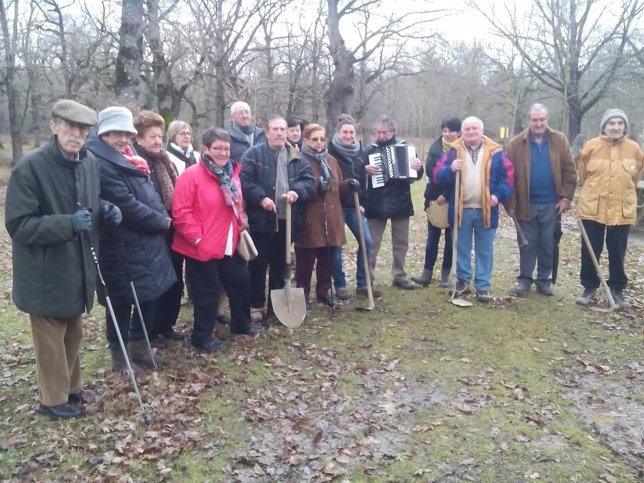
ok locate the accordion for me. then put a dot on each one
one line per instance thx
(394, 162)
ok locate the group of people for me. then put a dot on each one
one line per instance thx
(159, 214)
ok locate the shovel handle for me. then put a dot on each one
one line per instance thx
(457, 200)
(363, 248)
(288, 233)
(589, 247)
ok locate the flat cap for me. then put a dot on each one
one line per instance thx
(74, 112)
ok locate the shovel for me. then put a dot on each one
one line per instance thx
(457, 194)
(363, 247)
(289, 304)
(591, 252)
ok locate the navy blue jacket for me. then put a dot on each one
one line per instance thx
(259, 178)
(141, 232)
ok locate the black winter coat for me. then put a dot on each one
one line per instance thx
(393, 200)
(433, 190)
(239, 143)
(141, 233)
(351, 168)
(258, 177)
(53, 271)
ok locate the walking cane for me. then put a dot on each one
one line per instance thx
(126, 267)
(145, 416)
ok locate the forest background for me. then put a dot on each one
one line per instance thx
(416, 61)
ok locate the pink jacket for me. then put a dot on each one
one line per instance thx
(199, 211)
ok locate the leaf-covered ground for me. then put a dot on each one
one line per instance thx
(417, 390)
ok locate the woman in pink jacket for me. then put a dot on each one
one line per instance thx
(208, 215)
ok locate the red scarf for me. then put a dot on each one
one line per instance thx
(137, 161)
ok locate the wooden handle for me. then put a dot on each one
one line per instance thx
(288, 233)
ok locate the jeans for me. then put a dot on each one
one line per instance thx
(540, 234)
(472, 226)
(616, 244)
(431, 247)
(339, 279)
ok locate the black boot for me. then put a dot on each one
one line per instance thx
(425, 279)
(119, 364)
(140, 354)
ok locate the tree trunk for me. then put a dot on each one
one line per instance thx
(339, 96)
(15, 116)
(130, 56)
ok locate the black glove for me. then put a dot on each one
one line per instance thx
(112, 214)
(354, 185)
(81, 220)
(323, 187)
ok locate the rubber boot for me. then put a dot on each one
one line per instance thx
(425, 279)
(140, 354)
(119, 364)
(444, 277)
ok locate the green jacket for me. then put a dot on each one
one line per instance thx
(53, 271)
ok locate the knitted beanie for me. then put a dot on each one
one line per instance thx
(611, 113)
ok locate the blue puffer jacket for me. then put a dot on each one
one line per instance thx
(141, 231)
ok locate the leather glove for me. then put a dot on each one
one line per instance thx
(81, 220)
(354, 185)
(112, 214)
(323, 186)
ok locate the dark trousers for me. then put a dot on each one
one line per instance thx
(206, 278)
(271, 248)
(127, 317)
(431, 247)
(170, 302)
(306, 259)
(616, 244)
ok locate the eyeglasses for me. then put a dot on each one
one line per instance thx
(220, 149)
(318, 140)
(185, 133)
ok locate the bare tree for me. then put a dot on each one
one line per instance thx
(389, 32)
(562, 42)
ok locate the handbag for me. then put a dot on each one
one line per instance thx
(437, 214)
(246, 248)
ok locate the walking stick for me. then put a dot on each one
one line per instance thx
(589, 247)
(145, 416)
(363, 247)
(126, 266)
